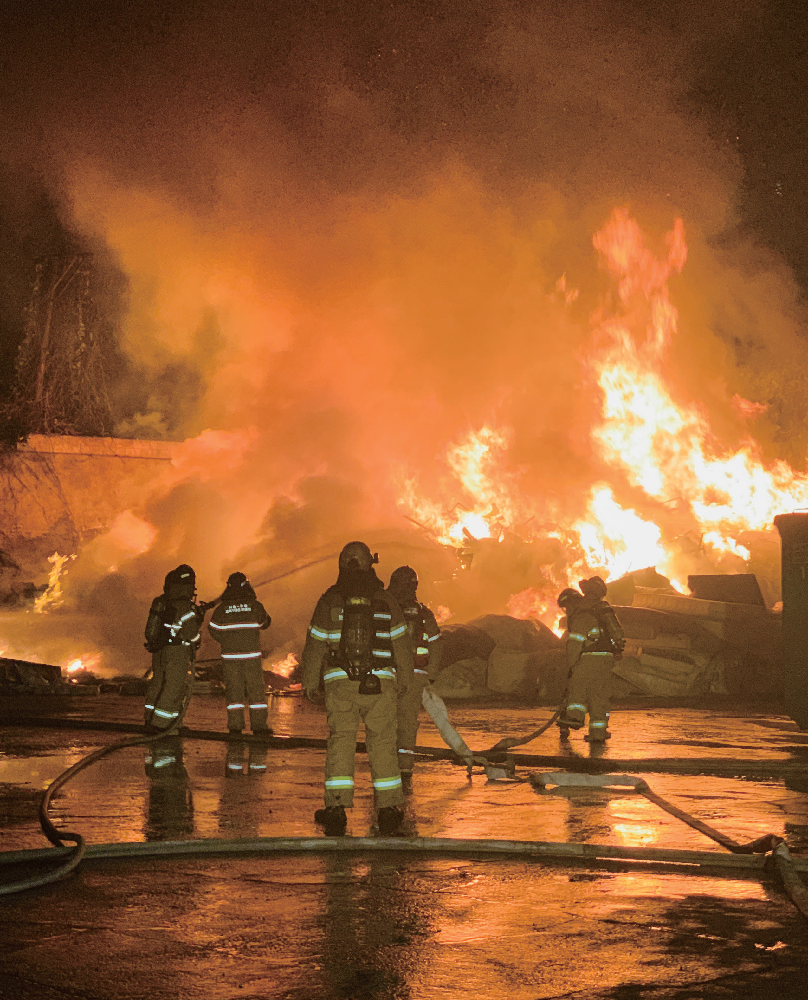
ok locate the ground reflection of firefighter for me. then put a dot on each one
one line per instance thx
(594, 640)
(170, 806)
(424, 635)
(370, 911)
(172, 636)
(358, 647)
(241, 809)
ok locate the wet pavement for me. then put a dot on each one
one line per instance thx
(316, 924)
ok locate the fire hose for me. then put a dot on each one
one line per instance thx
(757, 853)
(519, 741)
(58, 837)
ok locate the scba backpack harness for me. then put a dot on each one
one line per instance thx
(364, 640)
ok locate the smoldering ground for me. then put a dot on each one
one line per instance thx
(357, 229)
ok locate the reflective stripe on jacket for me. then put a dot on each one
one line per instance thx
(172, 622)
(423, 632)
(390, 645)
(236, 625)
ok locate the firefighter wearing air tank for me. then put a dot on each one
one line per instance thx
(358, 646)
(425, 640)
(172, 637)
(594, 640)
(235, 625)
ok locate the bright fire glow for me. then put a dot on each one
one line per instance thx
(477, 466)
(284, 667)
(669, 476)
(531, 603)
(83, 663)
(52, 597)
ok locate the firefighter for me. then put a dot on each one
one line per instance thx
(357, 646)
(425, 640)
(235, 625)
(172, 637)
(594, 640)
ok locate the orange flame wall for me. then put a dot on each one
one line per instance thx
(428, 265)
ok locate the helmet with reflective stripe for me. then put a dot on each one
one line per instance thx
(356, 555)
(180, 582)
(236, 580)
(182, 576)
(569, 596)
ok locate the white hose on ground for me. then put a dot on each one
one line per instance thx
(437, 712)
(708, 861)
(752, 855)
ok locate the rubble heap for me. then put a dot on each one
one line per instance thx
(677, 646)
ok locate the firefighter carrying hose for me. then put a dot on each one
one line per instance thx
(235, 625)
(425, 639)
(357, 645)
(172, 637)
(594, 640)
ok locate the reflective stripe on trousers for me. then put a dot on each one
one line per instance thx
(244, 688)
(346, 708)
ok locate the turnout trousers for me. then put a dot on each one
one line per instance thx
(408, 707)
(346, 707)
(590, 692)
(244, 689)
(169, 689)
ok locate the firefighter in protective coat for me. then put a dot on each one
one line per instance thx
(357, 645)
(594, 640)
(235, 625)
(424, 635)
(172, 637)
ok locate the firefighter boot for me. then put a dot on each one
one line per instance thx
(568, 720)
(390, 818)
(334, 820)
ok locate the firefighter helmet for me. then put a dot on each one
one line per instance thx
(593, 587)
(180, 583)
(182, 576)
(404, 578)
(356, 555)
(568, 596)
(237, 580)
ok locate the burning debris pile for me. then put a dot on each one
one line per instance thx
(22, 677)
(677, 646)
(636, 477)
(663, 490)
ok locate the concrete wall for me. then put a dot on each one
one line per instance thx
(57, 493)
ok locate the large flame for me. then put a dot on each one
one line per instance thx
(658, 449)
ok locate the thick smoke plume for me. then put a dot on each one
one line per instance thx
(364, 230)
